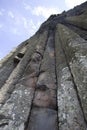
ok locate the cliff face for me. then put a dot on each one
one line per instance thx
(43, 82)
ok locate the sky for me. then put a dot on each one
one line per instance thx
(20, 19)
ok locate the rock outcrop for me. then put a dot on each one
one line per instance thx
(43, 82)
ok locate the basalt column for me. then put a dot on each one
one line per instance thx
(16, 105)
(44, 109)
(69, 110)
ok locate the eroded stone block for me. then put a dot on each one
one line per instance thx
(43, 119)
(45, 98)
(46, 79)
(15, 111)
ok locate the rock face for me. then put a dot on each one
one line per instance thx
(43, 82)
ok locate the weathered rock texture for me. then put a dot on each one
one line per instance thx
(43, 82)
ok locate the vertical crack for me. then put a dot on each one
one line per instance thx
(56, 79)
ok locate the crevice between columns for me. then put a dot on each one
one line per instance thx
(56, 80)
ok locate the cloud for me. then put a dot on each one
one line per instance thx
(3, 10)
(1, 13)
(29, 25)
(44, 11)
(25, 24)
(26, 6)
(1, 25)
(15, 31)
(18, 24)
(32, 24)
(41, 10)
(21, 21)
(72, 3)
(32, 27)
(10, 14)
(21, 25)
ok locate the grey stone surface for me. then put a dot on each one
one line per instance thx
(43, 82)
(47, 75)
(48, 63)
(17, 73)
(7, 64)
(7, 68)
(46, 79)
(45, 98)
(76, 53)
(69, 110)
(45, 95)
(15, 111)
(43, 119)
(19, 70)
(36, 58)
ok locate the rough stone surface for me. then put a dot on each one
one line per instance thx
(14, 113)
(45, 98)
(43, 82)
(45, 94)
(69, 112)
(43, 119)
(16, 109)
(75, 50)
